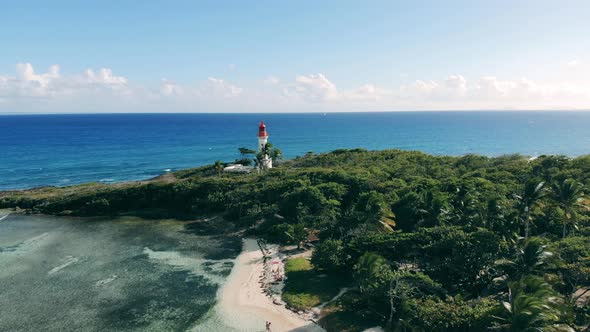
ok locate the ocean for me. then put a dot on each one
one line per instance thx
(95, 274)
(61, 150)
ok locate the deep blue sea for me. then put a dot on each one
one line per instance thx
(39, 150)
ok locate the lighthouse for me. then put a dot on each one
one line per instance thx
(262, 136)
(266, 161)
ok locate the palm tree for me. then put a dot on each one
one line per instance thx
(530, 257)
(265, 152)
(432, 210)
(568, 195)
(259, 161)
(276, 154)
(465, 205)
(375, 212)
(218, 167)
(372, 272)
(267, 148)
(530, 197)
(532, 306)
(494, 217)
(244, 152)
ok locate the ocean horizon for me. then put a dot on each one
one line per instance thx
(68, 149)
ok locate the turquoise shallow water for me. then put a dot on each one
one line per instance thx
(38, 150)
(66, 274)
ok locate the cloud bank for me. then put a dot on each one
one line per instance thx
(26, 91)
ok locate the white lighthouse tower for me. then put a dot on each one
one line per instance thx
(262, 140)
(262, 136)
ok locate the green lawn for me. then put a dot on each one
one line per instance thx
(305, 288)
(297, 264)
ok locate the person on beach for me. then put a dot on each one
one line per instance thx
(268, 326)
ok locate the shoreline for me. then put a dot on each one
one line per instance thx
(243, 303)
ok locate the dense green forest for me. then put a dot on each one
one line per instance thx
(430, 243)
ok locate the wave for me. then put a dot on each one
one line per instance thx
(105, 281)
(68, 260)
(25, 245)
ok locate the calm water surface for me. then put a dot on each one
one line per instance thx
(66, 274)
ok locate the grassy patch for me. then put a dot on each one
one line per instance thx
(306, 288)
(297, 265)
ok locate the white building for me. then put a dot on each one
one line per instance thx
(238, 168)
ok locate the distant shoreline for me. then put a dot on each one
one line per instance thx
(168, 176)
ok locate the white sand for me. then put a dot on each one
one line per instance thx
(242, 304)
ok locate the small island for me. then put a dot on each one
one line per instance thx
(391, 240)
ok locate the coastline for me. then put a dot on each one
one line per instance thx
(29, 162)
(243, 304)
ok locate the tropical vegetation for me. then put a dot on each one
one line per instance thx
(424, 243)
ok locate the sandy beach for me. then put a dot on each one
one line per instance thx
(243, 305)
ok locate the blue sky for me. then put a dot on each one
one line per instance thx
(299, 55)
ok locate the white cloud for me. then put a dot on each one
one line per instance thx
(219, 87)
(490, 87)
(312, 87)
(28, 84)
(26, 73)
(367, 91)
(170, 88)
(456, 85)
(366, 95)
(418, 89)
(573, 63)
(103, 90)
(272, 80)
(105, 77)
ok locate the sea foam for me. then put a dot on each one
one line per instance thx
(68, 260)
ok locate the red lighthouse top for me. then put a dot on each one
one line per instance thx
(262, 130)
